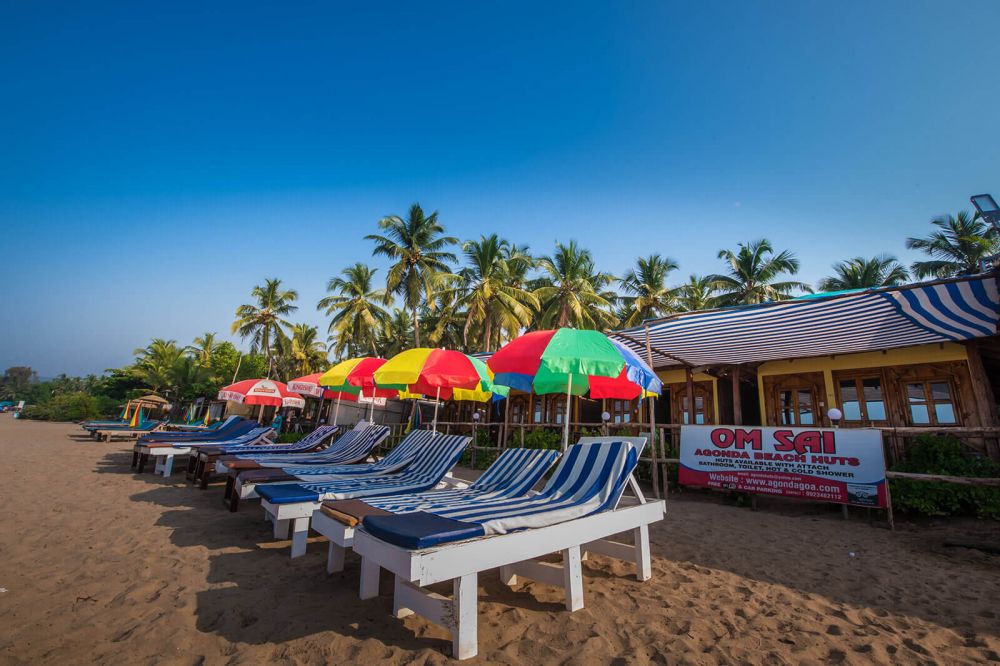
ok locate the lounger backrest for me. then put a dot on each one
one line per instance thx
(516, 470)
(316, 436)
(405, 452)
(357, 444)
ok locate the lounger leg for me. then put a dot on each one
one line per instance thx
(143, 458)
(135, 457)
(281, 529)
(230, 482)
(643, 566)
(573, 578)
(335, 558)
(369, 578)
(507, 576)
(464, 636)
(206, 474)
(192, 463)
(300, 532)
(398, 594)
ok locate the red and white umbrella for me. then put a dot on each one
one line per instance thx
(309, 385)
(261, 392)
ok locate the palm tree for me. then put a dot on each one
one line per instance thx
(646, 287)
(958, 247)
(572, 292)
(417, 246)
(262, 321)
(865, 273)
(490, 292)
(204, 348)
(754, 272)
(357, 313)
(300, 353)
(155, 363)
(696, 294)
(396, 336)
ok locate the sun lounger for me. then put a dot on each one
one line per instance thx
(163, 453)
(235, 426)
(292, 504)
(579, 508)
(107, 433)
(513, 474)
(201, 465)
(333, 463)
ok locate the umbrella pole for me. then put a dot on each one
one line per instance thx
(319, 412)
(436, 403)
(371, 409)
(336, 410)
(569, 395)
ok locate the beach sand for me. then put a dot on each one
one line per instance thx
(98, 564)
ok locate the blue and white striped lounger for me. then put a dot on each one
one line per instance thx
(164, 453)
(511, 475)
(579, 508)
(292, 504)
(337, 462)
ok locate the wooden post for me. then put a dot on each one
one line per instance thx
(985, 400)
(737, 400)
(652, 424)
(689, 378)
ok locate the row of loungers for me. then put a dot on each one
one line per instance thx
(407, 514)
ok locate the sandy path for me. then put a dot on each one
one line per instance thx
(101, 565)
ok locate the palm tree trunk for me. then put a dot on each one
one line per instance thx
(416, 328)
(489, 334)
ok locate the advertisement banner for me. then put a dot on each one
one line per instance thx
(844, 466)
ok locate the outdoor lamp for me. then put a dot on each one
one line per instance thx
(834, 414)
(605, 416)
(476, 416)
(987, 207)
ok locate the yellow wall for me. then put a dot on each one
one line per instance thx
(679, 377)
(933, 353)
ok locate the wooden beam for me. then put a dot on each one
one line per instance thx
(734, 377)
(692, 412)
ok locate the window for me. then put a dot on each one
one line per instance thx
(699, 409)
(796, 407)
(861, 399)
(518, 406)
(931, 403)
(621, 411)
(557, 409)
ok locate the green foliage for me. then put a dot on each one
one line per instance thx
(945, 455)
(75, 406)
(543, 438)
(289, 437)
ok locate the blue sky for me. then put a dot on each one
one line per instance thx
(158, 161)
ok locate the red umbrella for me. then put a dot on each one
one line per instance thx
(261, 392)
(309, 385)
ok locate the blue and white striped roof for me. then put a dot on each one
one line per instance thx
(871, 320)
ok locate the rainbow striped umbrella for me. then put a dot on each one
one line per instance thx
(443, 373)
(355, 376)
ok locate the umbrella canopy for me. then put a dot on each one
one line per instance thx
(356, 375)
(261, 392)
(152, 399)
(557, 361)
(433, 372)
(310, 385)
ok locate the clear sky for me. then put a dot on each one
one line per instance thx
(158, 160)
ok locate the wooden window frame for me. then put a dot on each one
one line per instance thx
(858, 377)
(930, 402)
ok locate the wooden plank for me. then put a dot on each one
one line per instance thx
(737, 400)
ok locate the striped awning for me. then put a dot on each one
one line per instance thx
(872, 320)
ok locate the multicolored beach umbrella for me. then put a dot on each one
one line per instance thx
(355, 376)
(573, 362)
(266, 392)
(310, 385)
(436, 372)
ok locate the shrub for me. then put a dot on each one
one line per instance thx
(74, 406)
(289, 437)
(541, 438)
(945, 456)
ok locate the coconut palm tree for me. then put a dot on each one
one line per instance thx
(300, 353)
(357, 309)
(958, 246)
(417, 246)
(397, 335)
(155, 363)
(696, 294)
(571, 292)
(492, 297)
(754, 273)
(444, 324)
(645, 286)
(865, 273)
(263, 320)
(203, 348)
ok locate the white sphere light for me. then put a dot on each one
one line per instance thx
(605, 416)
(835, 414)
(476, 416)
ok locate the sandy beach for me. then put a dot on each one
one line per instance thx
(100, 565)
